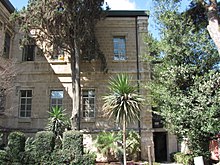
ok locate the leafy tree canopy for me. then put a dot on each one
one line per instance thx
(64, 24)
(185, 85)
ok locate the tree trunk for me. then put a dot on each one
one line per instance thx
(124, 139)
(75, 117)
(213, 26)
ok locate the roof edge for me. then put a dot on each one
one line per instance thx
(8, 5)
(127, 13)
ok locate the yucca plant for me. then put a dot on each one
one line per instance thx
(123, 102)
(57, 122)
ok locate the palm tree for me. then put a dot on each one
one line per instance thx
(123, 102)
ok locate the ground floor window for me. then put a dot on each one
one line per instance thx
(56, 98)
(88, 102)
(25, 103)
(2, 99)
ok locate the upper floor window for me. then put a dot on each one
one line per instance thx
(28, 53)
(119, 48)
(157, 121)
(25, 103)
(7, 44)
(58, 54)
(56, 98)
(88, 103)
(2, 100)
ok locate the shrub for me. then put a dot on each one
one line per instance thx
(29, 151)
(3, 157)
(185, 159)
(172, 159)
(16, 146)
(44, 145)
(110, 144)
(72, 145)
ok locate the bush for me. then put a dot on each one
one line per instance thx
(16, 146)
(44, 145)
(172, 159)
(110, 144)
(185, 159)
(73, 143)
(3, 157)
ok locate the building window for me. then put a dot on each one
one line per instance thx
(7, 45)
(25, 103)
(58, 54)
(157, 121)
(88, 103)
(56, 98)
(2, 100)
(28, 53)
(119, 48)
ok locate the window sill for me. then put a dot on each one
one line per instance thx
(116, 61)
(88, 120)
(57, 62)
(24, 120)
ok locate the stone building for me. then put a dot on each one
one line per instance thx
(45, 81)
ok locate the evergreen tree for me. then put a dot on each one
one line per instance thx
(185, 78)
(205, 12)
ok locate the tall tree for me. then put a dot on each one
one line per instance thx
(185, 86)
(209, 10)
(123, 103)
(7, 74)
(69, 26)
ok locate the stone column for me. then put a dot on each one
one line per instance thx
(144, 70)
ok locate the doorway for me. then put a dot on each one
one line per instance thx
(160, 146)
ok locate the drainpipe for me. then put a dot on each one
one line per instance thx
(138, 73)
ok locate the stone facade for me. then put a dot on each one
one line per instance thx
(41, 75)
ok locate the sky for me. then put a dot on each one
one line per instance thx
(114, 5)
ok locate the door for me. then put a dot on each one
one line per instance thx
(160, 146)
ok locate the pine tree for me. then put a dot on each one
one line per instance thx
(69, 26)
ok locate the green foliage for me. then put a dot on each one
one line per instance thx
(133, 143)
(58, 121)
(16, 147)
(30, 151)
(3, 157)
(122, 99)
(72, 145)
(110, 144)
(63, 18)
(41, 150)
(184, 159)
(123, 103)
(44, 145)
(185, 86)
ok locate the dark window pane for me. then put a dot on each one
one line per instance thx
(23, 93)
(29, 93)
(28, 114)
(28, 53)
(59, 101)
(28, 107)
(7, 45)
(23, 101)
(22, 107)
(22, 114)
